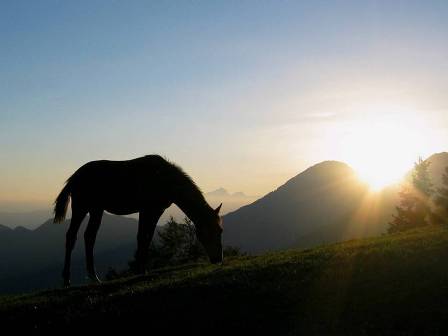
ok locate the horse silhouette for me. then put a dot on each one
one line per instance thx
(147, 185)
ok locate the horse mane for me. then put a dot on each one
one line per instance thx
(182, 178)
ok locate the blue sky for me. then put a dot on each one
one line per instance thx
(243, 94)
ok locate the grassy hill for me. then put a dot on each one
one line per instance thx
(387, 285)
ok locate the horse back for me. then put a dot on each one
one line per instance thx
(128, 183)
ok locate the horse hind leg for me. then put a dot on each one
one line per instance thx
(70, 240)
(89, 239)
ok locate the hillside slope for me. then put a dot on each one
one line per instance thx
(388, 285)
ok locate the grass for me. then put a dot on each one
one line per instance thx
(395, 284)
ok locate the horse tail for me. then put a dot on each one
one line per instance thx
(61, 202)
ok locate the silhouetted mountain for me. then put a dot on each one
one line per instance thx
(220, 192)
(230, 201)
(321, 204)
(27, 219)
(325, 203)
(223, 193)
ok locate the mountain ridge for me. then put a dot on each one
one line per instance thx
(254, 228)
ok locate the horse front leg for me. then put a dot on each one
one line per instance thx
(147, 223)
(89, 239)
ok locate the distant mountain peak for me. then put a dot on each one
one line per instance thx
(330, 164)
(219, 192)
(222, 192)
(323, 172)
(320, 199)
(327, 167)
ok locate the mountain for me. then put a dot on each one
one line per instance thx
(220, 192)
(223, 193)
(230, 201)
(325, 203)
(27, 219)
(33, 259)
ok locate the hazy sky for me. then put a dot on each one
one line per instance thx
(242, 94)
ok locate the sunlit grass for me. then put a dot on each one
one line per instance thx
(356, 287)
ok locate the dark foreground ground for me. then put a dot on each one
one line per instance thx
(388, 285)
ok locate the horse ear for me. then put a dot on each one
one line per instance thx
(218, 209)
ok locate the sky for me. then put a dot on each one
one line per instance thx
(241, 94)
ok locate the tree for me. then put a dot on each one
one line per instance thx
(171, 240)
(422, 179)
(415, 200)
(193, 249)
(176, 245)
(178, 242)
(441, 200)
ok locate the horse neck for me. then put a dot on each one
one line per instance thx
(193, 204)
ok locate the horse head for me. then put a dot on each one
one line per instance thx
(209, 233)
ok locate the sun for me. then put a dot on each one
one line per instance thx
(382, 150)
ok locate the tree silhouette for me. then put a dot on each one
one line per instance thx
(422, 179)
(178, 242)
(441, 200)
(415, 199)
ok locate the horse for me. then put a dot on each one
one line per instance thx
(147, 185)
